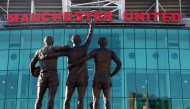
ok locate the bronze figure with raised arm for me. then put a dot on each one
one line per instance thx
(78, 75)
(48, 77)
(102, 76)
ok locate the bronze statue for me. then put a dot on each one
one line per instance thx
(48, 77)
(78, 75)
(102, 76)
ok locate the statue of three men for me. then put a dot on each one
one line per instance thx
(78, 73)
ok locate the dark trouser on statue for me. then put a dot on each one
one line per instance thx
(69, 92)
(96, 96)
(51, 96)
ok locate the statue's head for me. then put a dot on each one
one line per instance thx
(102, 42)
(48, 40)
(76, 39)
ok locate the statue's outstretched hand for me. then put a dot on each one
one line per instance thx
(91, 22)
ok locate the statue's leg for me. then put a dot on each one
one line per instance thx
(40, 94)
(96, 96)
(81, 93)
(68, 94)
(106, 93)
(51, 96)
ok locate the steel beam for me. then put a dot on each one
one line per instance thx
(93, 6)
(92, 3)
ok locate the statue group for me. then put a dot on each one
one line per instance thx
(77, 70)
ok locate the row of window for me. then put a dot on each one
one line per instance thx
(116, 103)
(117, 38)
(156, 83)
(131, 58)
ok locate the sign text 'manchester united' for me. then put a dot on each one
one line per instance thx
(98, 17)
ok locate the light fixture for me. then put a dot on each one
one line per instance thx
(3, 82)
(146, 81)
(185, 81)
(11, 87)
(143, 86)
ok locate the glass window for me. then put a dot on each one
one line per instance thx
(3, 78)
(23, 84)
(94, 42)
(25, 59)
(185, 81)
(32, 87)
(129, 58)
(118, 81)
(185, 59)
(152, 57)
(13, 59)
(12, 81)
(129, 38)
(4, 56)
(25, 39)
(183, 38)
(163, 58)
(139, 38)
(165, 104)
(83, 34)
(68, 34)
(47, 32)
(31, 103)
(59, 37)
(36, 39)
(119, 54)
(152, 81)
(162, 40)
(140, 58)
(106, 33)
(174, 59)
(186, 103)
(15, 39)
(164, 84)
(141, 82)
(175, 82)
(58, 103)
(4, 38)
(130, 85)
(173, 39)
(21, 104)
(117, 38)
(60, 88)
(90, 62)
(59, 41)
(150, 38)
(177, 104)
(10, 104)
(118, 103)
(2, 104)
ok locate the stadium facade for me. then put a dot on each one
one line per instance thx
(155, 52)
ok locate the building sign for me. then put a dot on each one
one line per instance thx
(98, 17)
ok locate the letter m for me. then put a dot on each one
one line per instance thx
(13, 19)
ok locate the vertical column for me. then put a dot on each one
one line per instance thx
(7, 8)
(66, 6)
(157, 8)
(33, 10)
(121, 7)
